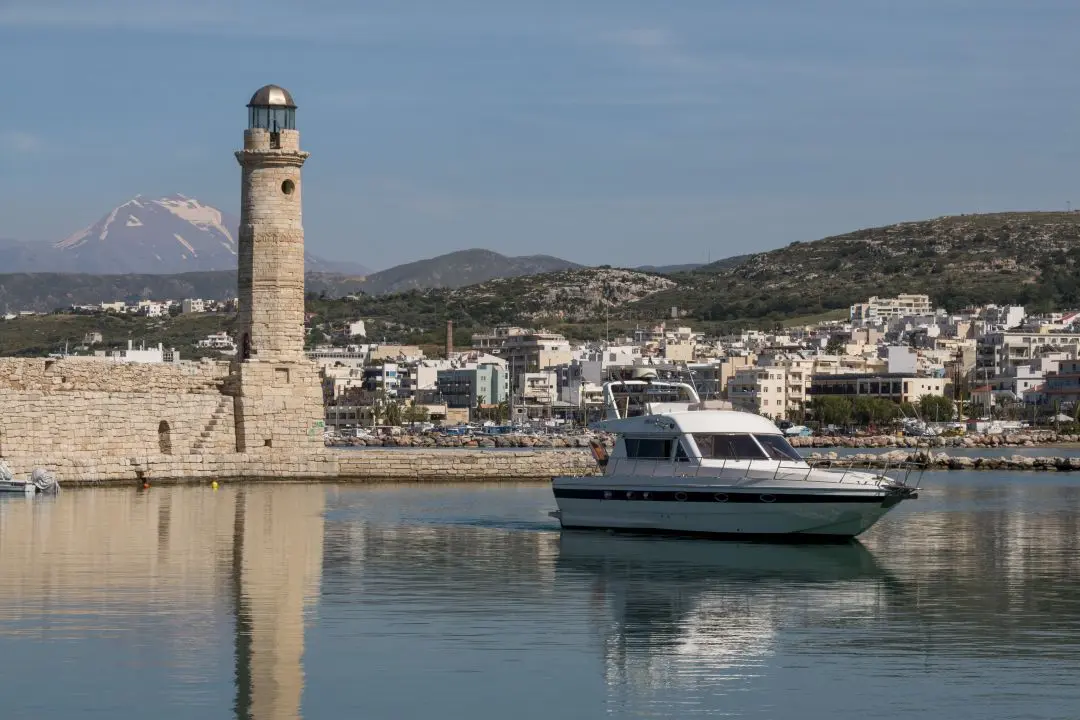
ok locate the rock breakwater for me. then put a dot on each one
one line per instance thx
(542, 442)
(944, 461)
(1026, 439)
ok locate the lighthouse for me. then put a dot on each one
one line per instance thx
(278, 396)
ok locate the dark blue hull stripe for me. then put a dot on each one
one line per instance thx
(890, 498)
(792, 538)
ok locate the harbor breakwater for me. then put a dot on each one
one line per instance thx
(943, 461)
(1026, 439)
(431, 440)
(570, 441)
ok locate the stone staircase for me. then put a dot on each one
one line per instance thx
(205, 438)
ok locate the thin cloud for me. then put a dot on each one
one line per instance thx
(21, 142)
(656, 47)
(193, 17)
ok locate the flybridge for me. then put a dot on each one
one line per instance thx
(633, 398)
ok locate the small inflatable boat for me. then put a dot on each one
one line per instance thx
(41, 481)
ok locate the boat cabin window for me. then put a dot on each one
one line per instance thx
(729, 446)
(651, 448)
(778, 448)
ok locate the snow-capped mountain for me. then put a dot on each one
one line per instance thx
(168, 235)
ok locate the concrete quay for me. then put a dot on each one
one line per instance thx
(372, 465)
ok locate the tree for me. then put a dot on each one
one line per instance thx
(415, 414)
(315, 337)
(392, 413)
(936, 408)
(481, 400)
(835, 346)
(832, 409)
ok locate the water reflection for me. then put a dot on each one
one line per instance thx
(273, 601)
(165, 570)
(682, 610)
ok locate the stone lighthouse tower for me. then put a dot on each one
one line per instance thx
(278, 395)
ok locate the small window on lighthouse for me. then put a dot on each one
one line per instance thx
(288, 187)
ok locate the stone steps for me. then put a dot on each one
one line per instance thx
(205, 437)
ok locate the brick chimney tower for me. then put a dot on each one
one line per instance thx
(449, 338)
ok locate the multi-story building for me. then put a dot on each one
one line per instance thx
(1063, 385)
(877, 309)
(534, 352)
(473, 387)
(1001, 350)
(192, 305)
(382, 377)
(493, 342)
(898, 388)
(762, 390)
(535, 394)
(219, 341)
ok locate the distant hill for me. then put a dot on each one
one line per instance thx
(1031, 258)
(45, 292)
(168, 235)
(726, 263)
(458, 269)
(668, 269)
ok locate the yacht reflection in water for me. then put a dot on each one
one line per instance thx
(683, 609)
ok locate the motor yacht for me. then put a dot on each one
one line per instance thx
(679, 467)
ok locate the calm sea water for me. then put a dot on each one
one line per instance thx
(467, 602)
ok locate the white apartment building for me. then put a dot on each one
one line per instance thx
(1002, 350)
(141, 354)
(192, 305)
(761, 390)
(149, 308)
(878, 309)
(535, 352)
(219, 341)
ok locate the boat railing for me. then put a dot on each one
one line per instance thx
(901, 468)
(785, 469)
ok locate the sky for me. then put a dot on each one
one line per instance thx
(625, 132)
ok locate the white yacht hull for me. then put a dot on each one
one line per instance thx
(810, 513)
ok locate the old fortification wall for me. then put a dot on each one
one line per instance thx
(79, 406)
(92, 421)
(344, 465)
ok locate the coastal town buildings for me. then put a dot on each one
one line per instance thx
(879, 309)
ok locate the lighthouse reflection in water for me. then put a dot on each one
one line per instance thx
(287, 601)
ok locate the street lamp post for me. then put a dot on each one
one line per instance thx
(584, 408)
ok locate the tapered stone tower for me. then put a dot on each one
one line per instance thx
(278, 402)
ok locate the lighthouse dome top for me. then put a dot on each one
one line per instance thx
(272, 108)
(272, 96)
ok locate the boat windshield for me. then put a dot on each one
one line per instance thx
(728, 446)
(742, 446)
(778, 448)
